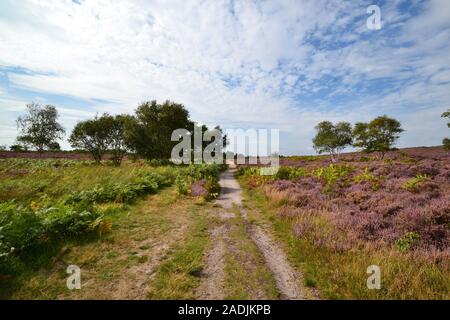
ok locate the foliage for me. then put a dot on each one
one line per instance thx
(413, 183)
(149, 131)
(379, 135)
(66, 221)
(101, 134)
(332, 138)
(117, 143)
(119, 192)
(366, 176)
(39, 127)
(332, 175)
(92, 136)
(18, 148)
(290, 173)
(22, 229)
(408, 241)
(446, 144)
(181, 185)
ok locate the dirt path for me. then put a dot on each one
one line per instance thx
(288, 281)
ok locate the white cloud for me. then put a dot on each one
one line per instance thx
(190, 51)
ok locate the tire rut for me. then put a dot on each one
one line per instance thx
(288, 281)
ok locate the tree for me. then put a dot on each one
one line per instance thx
(116, 138)
(149, 132)
(332, 138)
(18, 148)
(379, 135)
(39, 127)
(55, 147)
(92, 136)
(446, 141)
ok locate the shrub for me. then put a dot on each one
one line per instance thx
(413, 183)
(20, 227)
(212, 188)
(66, 222)
(333, 175)
(290, 173)
(366, 176)
(181, 185)
(408, 241)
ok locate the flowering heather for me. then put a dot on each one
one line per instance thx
(414, 218)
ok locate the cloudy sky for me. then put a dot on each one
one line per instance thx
(240, 64)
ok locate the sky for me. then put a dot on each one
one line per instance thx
(284, 64)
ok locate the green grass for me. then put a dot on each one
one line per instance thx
(34, 186)
(178, 276)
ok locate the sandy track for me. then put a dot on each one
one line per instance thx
(288, 281)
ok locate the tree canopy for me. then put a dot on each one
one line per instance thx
(379, 135)
(39, 127)
(332, 138)
(149, 131)
(92, 136)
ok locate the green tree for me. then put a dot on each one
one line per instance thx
(117, 142)
(18, 148)
(39, 128)
(149, 132)
(446, 141)
(379, 135)
(332, 138)
(92, 136)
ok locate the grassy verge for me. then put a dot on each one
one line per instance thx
(342, 275)
(178, 276)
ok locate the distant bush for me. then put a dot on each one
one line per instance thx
(446, 143)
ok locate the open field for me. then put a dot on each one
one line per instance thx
(141, 231)
(338, 219)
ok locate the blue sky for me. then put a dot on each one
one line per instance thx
(241, 64)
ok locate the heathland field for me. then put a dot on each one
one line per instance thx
(144, 230)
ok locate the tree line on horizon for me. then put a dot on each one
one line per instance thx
(378, 135)
(147, 132)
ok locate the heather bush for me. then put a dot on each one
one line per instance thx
(375, 203)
